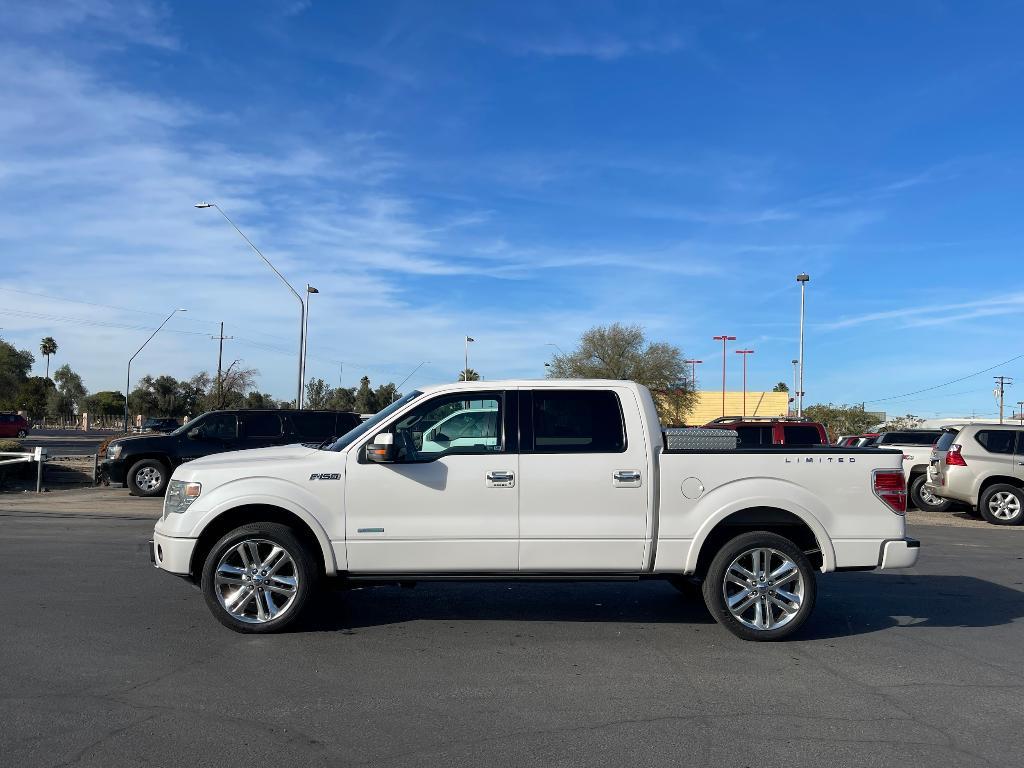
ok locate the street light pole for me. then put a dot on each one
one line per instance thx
(1020, 411)
(128, 383)
(465, 371)
(803, 278)
(744, 352)
(302, 304)
(693, 371)
(310, 290)
(724, 339)
(795, 386)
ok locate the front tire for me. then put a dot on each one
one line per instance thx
(258, 578)
(148, 478)
(1002, 504)
(924, 499)
(760, 586)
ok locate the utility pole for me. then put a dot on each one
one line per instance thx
(1001, 383)
(803, 278)
(744, 352)
(1020, 411)
(725, 339)
(220, 358)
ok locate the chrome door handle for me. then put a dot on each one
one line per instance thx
(499, 476)
(627, 476)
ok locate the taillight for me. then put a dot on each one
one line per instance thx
(953, 457)
(891, 487)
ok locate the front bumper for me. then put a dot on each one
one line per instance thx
(115, 469)
(172, 554)
(900, 553)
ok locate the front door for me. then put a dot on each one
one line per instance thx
(583, 487)
(449, 503)
(212, 433)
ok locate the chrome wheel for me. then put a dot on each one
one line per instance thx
(763, 589)
(256, 581)
(148, 479)
(1004, 505)
(930, 498)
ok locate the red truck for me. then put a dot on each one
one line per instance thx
(762, 431)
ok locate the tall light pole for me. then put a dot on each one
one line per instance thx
(795, 387)
(803, 278)
(693, 371)
(395, 396)
(1020, 411)
(465, 371)
(725, 340)
(310, 290)
(128, 384)
(302, 305)
(744, 352)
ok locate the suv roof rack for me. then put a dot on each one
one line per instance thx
(735, 419)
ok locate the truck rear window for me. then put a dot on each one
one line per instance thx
(801, 435)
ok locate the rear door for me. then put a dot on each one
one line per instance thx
(583, 490)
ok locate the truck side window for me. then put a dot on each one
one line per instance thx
(584, 421)
(262, 425)
(451, 424)
(754, 437)
(801, 435)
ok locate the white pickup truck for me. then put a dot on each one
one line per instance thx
(559, 479)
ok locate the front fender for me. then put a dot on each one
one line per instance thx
(774, 493)
(271, 492)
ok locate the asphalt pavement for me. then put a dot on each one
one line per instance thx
(108, 662)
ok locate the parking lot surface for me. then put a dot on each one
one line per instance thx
(107, 662)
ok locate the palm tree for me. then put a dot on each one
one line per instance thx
(48, 347)
(469, 375)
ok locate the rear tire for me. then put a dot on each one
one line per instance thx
(147, 478)
(925, 500)
(258, 578)
(760, 586)
(22, 433)
(1002, 504)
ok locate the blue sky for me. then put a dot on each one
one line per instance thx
(519, 172)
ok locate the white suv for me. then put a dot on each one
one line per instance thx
(981, 465)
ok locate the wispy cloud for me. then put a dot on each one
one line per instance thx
(939, 313)
(600, 47)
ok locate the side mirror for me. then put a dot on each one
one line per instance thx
(382, 449)
(193, 434)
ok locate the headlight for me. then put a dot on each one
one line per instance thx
(180, 495)
(114, 451)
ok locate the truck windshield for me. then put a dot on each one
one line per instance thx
(351, 436)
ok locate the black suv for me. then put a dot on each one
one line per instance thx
(145, 462)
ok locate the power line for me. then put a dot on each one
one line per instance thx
(947, 383)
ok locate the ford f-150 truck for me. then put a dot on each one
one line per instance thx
(564, 480)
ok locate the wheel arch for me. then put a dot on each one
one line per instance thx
(999, 480)
(800, 527)
(309, 533)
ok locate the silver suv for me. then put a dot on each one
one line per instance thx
(981, 465)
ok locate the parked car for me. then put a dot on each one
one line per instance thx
(154, 424)
(145, 462)
(13, 425)
(981, 465)
(572, 480)
(916, 445)
(763, 431)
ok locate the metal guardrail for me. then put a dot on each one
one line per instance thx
(38, 455)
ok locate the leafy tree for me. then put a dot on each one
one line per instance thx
(342, 399)
(623, 352)
(317, 393)
(32, 396)
(48, 347)
(257, 399)
(193, 395)
(142, 399)
(842, 419)
(60, 406)
(104, 405)
(469, 375)
(898, 423)
(386, 394)
(71, 393)
(365, 399)
(236, 383)
(15, 365)
(781, 387)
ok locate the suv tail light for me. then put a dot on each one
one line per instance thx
(891, 487)
(953, 457)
